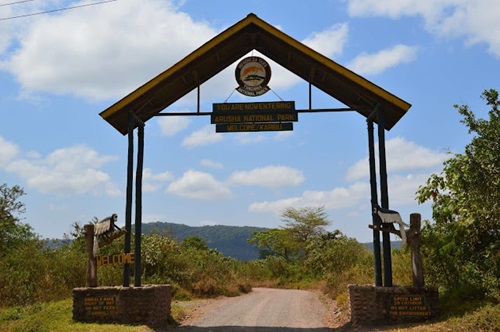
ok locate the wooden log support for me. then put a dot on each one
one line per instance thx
(91, 275)
(414, 242)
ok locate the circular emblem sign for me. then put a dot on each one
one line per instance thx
(253, 74)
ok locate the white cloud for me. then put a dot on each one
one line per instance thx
(107, 51)
(372, 64)
(409, 166)
(402, 188)
(103, 51)
(8, 151)
(153, 182)
(269, 177)
(211, 164)
(477, 21)
(402, 155)
(337, 198)
(329, 42)
(204, 136)
(199, 185)
(171, 125)
(66, 172)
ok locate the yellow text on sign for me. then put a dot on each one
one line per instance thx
(118, 259)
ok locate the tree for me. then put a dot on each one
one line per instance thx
(275, 242)
(465, 239)
(306, 222)
(194, 242)
(301, 225)
(12, 231)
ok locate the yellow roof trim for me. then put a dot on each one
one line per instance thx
(182, 63)
(164, 89)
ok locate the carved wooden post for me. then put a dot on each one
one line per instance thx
(415, 243)
(91, 276)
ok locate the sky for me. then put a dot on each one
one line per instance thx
(60, 69)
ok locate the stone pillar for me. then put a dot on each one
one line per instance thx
(148, 305)
(371, 305)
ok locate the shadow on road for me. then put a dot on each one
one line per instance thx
(344, 328)
(249, 329)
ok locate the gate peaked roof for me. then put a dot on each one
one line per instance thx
(252, 33)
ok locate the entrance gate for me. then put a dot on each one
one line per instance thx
(358, 94)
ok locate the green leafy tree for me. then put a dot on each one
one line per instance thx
(12, 230)
(275, 242)
(464, 244)
(194, 242)
(301, 225)
(305, 223)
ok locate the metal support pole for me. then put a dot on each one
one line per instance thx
(128, 206)
(138, 206)
(384, 197)
(374, 200)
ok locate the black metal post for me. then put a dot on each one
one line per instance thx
(384, 197)
(374, 200)
(128, 206)
(138, 205)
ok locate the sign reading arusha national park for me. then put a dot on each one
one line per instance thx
(247, 117)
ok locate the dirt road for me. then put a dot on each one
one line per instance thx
(263, 310)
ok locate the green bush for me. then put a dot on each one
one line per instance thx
(34, 273)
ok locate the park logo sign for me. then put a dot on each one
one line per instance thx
(253, 75)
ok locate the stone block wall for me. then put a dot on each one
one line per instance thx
(379, 305)
(148, 305)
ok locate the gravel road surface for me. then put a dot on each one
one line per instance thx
(262, 310)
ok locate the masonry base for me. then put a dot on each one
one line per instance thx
(381, 305)
(148, 305)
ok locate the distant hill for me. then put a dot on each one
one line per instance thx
(229, 240)
(394, 245)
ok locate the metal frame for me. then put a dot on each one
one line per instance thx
(377, 113)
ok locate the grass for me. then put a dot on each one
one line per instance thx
(54, 316)
(57, 316)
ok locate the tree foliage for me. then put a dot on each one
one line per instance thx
(275, 242)
(12, 230)
(301, 225)
(306, 222)
(465, 240)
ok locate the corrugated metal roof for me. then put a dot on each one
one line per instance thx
(249, 34)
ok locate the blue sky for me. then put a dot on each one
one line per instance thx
(58, 71)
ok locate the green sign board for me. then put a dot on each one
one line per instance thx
(249, 127)
(249, 117)
(286, 106)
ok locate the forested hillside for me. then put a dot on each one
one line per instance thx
(229, 240)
